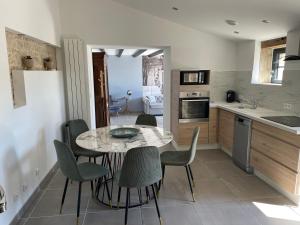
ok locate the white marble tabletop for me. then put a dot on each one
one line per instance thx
(102, 141)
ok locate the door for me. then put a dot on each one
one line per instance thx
(100, 89)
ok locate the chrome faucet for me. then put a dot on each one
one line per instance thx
(3, 203)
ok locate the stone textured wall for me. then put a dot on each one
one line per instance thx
(19, 46)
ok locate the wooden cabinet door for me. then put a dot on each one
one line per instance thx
(226, 130)
(185, 132)
(213, 126)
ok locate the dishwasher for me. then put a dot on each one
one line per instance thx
(241, 144)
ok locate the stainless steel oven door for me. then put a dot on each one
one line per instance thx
(193, 110)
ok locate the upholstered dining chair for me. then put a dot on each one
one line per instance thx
(74, 129)
(141, 168)
(82, 172)
(146, 119)
(182, 158)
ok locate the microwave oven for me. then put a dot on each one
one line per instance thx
(199, 77)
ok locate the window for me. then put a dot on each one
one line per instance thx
(278, 65)
(271, 62)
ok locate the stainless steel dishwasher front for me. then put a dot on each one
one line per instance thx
(241, 144)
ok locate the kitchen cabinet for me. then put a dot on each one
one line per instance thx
(226, 130)
(185, 131)
(213, 126)
(275, 153)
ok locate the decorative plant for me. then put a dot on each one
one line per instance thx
(48, 63)
(27, 62)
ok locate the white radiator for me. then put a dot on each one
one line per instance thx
(76, 79)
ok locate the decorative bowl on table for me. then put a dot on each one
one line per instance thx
(124, 132)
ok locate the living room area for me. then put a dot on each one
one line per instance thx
(134, 83)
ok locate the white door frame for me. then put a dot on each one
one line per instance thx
(166, 79)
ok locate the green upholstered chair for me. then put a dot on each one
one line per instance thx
(146, 119)
(182, 158)
(74, 129)
(78, 172)
(141, 168)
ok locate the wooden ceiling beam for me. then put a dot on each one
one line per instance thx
(138, 52)
(156, 53)
(120, 52)
(273, 42)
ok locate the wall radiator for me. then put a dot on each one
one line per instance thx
(76, 80)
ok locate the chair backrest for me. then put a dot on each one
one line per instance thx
(146, 119)
(67, 161)
(75, 128)
(141, 167)
(193, 147)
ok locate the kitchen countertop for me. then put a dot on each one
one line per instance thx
(256, 114)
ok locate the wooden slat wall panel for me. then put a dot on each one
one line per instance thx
(76, 80)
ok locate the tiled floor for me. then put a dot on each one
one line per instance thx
(128, 119)
(225, 196)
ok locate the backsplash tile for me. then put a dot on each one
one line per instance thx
(272, 97)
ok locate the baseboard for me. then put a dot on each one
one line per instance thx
(35, 195)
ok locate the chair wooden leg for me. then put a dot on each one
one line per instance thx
(78, 202)
(89, 159)
(127, 205)
(156, 204)
(119, 196)
(191, 173)
(95, 160)
(64, 195)
(189, 179)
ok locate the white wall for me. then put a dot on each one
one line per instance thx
(125, 73)
(103, 22)
(26, 133)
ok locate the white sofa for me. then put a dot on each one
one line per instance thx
(153, 100)
(153, 105)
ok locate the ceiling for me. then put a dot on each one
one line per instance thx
(210, 15)
(134, 52)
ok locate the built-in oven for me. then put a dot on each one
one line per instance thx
(193, 107)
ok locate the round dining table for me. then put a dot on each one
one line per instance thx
(115, 149)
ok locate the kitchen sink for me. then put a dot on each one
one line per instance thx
(291, 121)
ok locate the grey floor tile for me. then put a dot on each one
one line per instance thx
(225, 169)
(49, 204)
(207, 156)
(271, 213)
(229, 213)
(249, 187)
(213, 191)
(178, 215)
(114, 217)
(55, 220)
